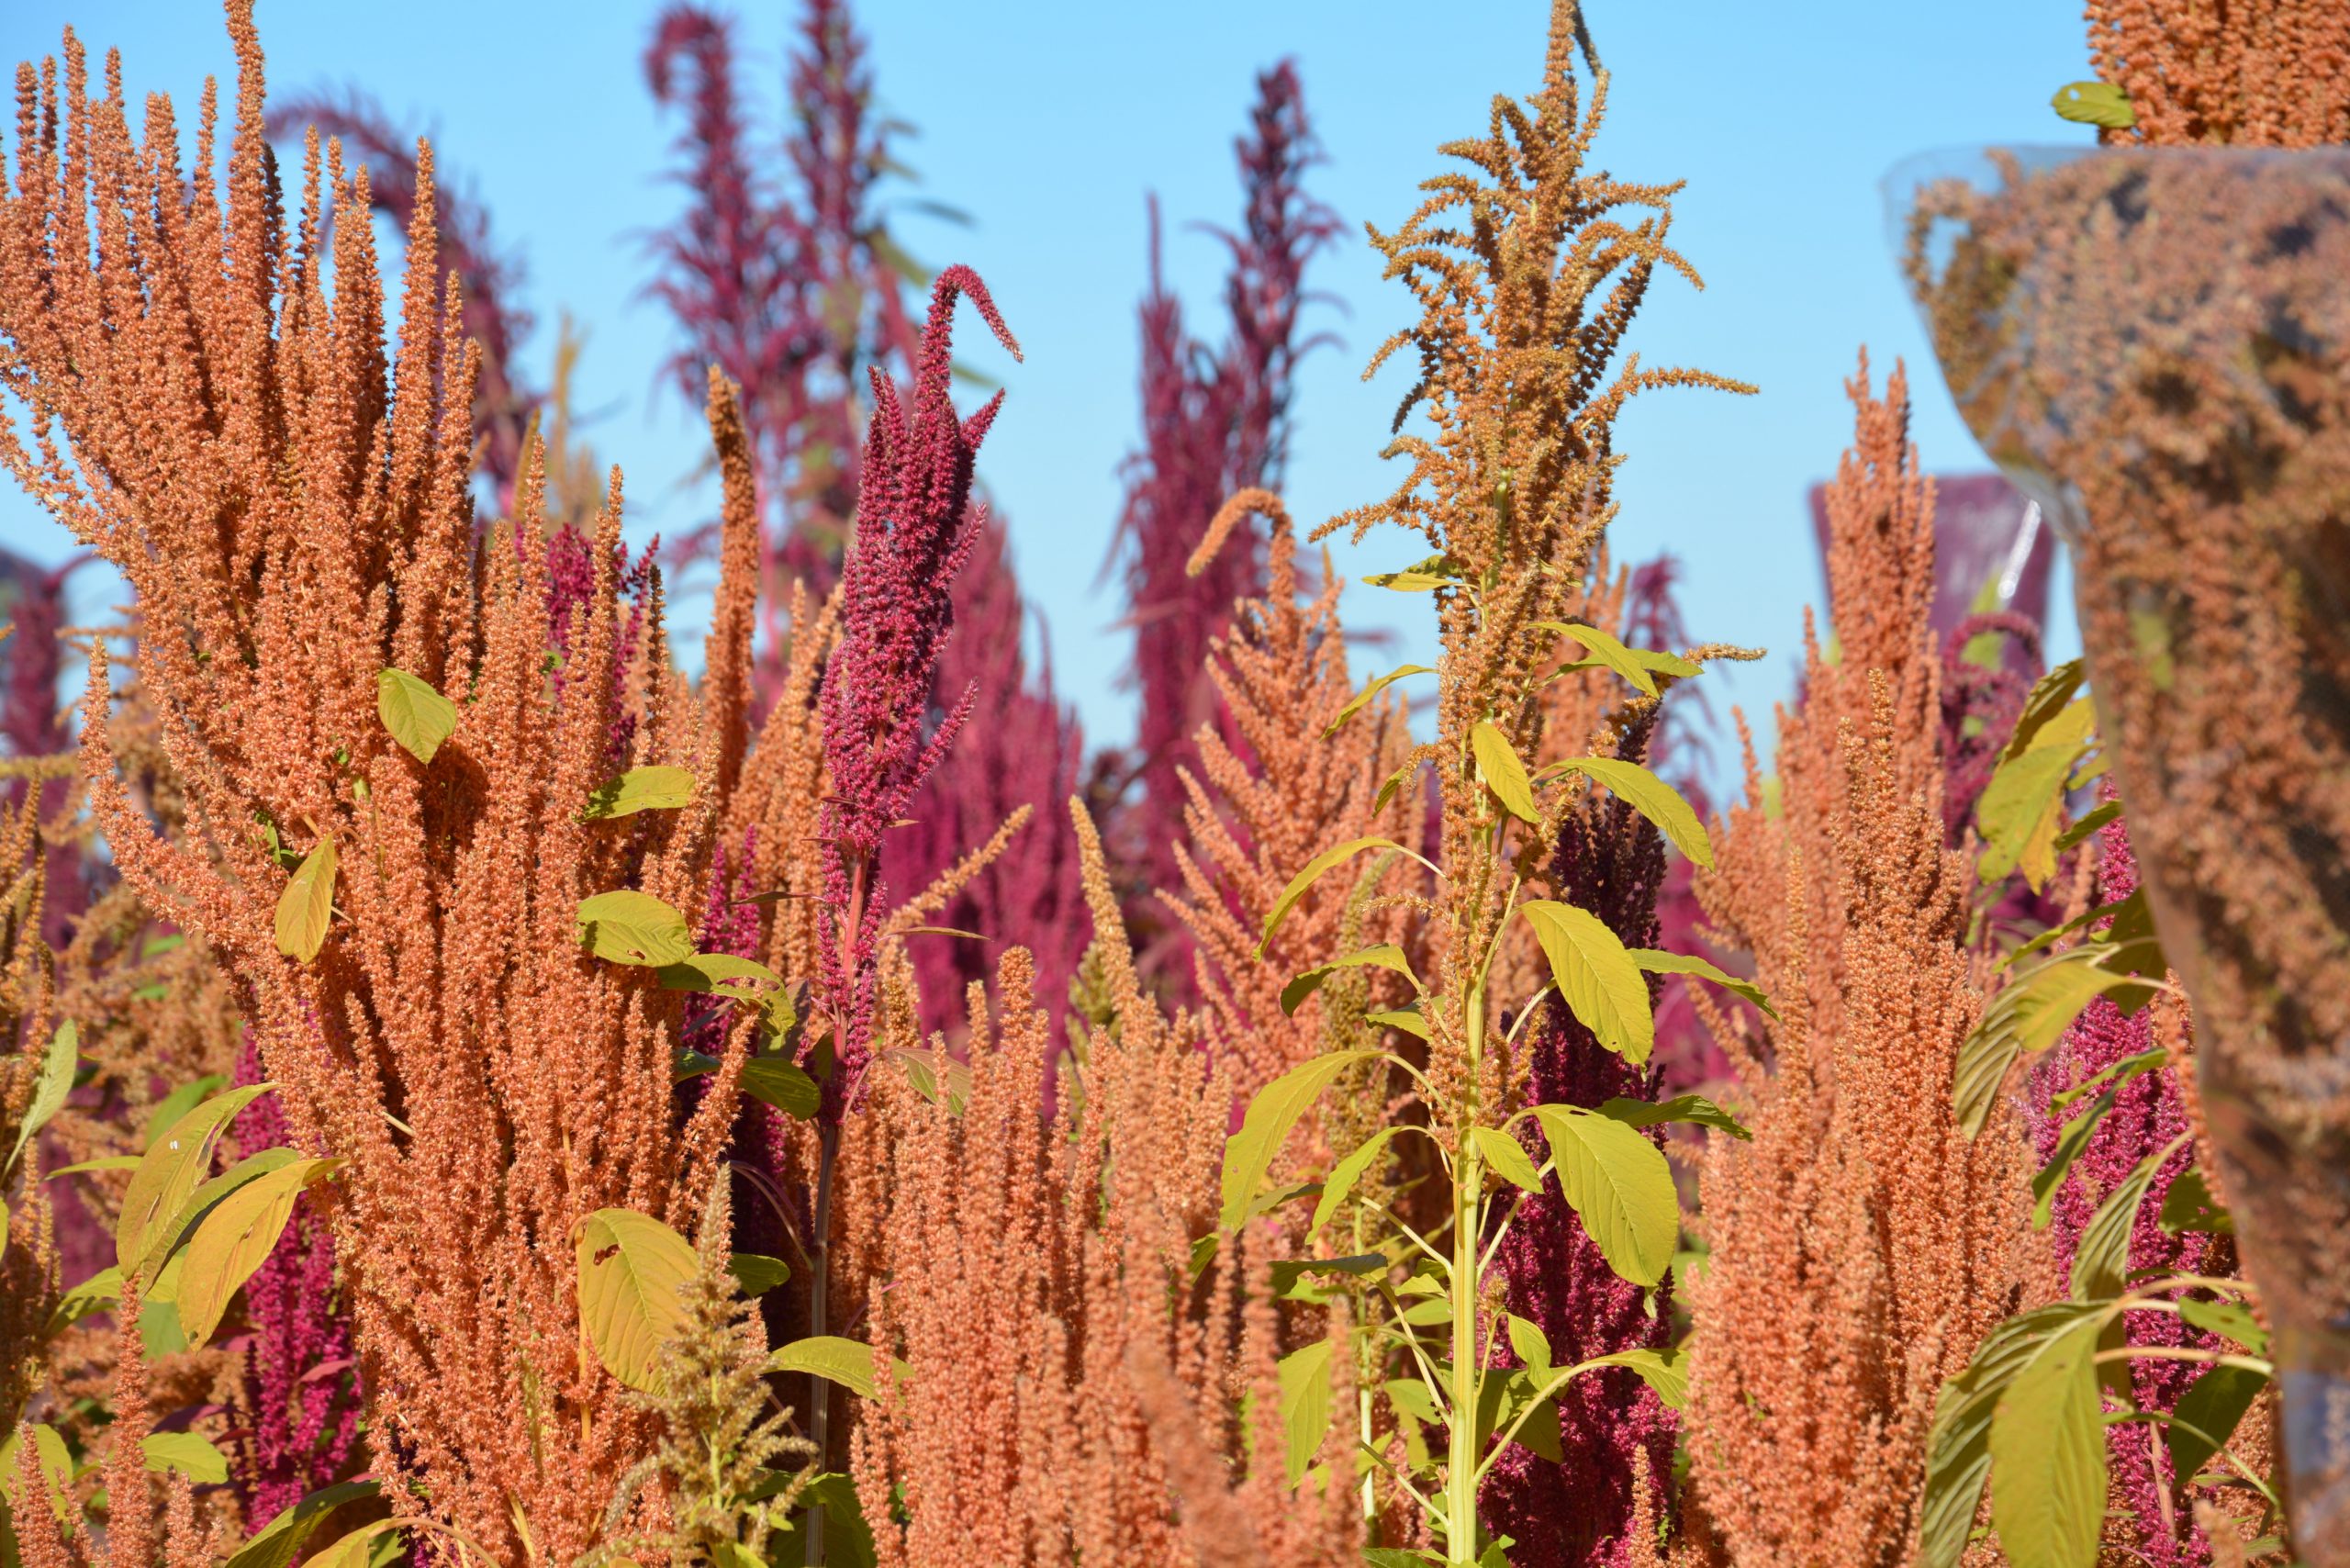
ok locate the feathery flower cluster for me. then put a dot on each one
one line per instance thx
(1860, 1246)
(2263, 72)
(914, 532)
(1214, 423)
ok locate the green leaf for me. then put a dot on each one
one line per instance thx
(178, 1104)
(1958, 1453)
(1597, 977)
(1408, 1019)
(930, 1071)
(2018, 806)
(2047, 1451)
(357, 1549)
(234, 1241)
(2070, 1141)
(2025, 1019)
(275, 1544)
(2207, 1415)
(170, 1173)
(1378, 684)
(774, 1081)
(2099, 104)
(307, 905)
(104, 1162)
(848, 1362)
(649, 789)
(1248, 1154)
(1620, 1186)
(2230, 1320)
(1288, 1276)
(757, 1273)
(1508, 1158)
(56, 1080)
(1501, 771)
(1532, 1345)
(629, 928)
(2088, 824)
(1306, 1398)
(164, 1244)
(629, 1268)
(1436, 571)
(1605, 651)
(418, 717)
(1382, 955)
(1692, 1108)
(2101, 1261)
(1313, 873)
(2189, 1205)
(2111, 1077)
(187, 1452)
(1340, 1182)
(2051, 695)
(1397, 1557)
(848, 1539)
(1667, 1372)
(1653, 799)
(1395, 782)
(96, 1293)
(1657, 962)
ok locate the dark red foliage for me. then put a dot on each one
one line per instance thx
(915, 529)
(1213, 421)
(1021, 748)
(787, 281)
(502, 403)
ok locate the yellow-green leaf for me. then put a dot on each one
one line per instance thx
(418, 717)
(2051, 695)
(171, 1172)
(356, 1550)
(1596, 974)
(1340, 1182)
(1306, 1398)
(650, 789)
(1694, 1109)
(308, 903)
(1499, 768)
(1378, 684)
(50, 1457)
(755, 1273)
(848, 1362)
(163, 1244)
(629, 1268)
(2027, 1017)
(2101, 1261)
(1508, 1158)
(1657, 962)
(629, 928)
(1381, 955)
(1248, 1154)
(187, 1452)
(1653, 799)
(1619, 1185)
(1667, 1372)
(2099, 104)
(236, 1239)
(276, 1542)
(1607, 652)
(2047, 1449)
(1313, 873)
(771, 1080)
(56, 1081)
(1408, 1019)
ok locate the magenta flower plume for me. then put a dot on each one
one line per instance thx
(301, 1378)
(1214, 421)
(915, 528)
(2147, 1113)
(1580, 1512)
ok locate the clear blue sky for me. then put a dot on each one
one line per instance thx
(1047, 120)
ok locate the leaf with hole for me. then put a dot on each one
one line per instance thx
(307, 907)
(629, 928)
(1620, 1186)
(1248, 1154)
(2189, 1205)
(2100, 104)
(655, 788)
(1596, 976)
(420, 718)
(630, 1266)
(169, 1174)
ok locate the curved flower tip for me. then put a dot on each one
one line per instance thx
(961, 280)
